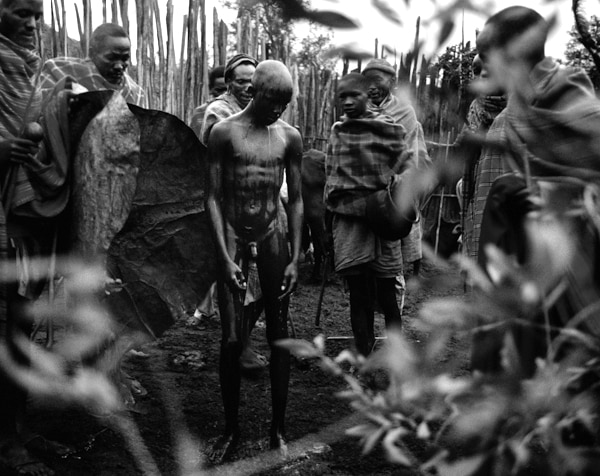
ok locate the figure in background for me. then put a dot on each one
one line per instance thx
(365, 150)
(551, 139)
(105, 68)
(248, 154)
(238, 76)
(382, 99)
(481, 165)
(22, 237)
(216, 87)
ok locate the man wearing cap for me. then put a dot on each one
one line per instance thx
(238, 77)
(216, 87)
(382, 76)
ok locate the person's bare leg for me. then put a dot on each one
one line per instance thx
(229, 374)
(272, 260)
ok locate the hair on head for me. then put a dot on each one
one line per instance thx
(215, 73)
(104, 31)
(355, 80)
(509, 24)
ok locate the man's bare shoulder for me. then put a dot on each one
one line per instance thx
(226, 124)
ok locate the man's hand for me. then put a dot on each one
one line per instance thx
(290, 280)
(18, 150)
(234, 276)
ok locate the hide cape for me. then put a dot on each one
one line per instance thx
(362, 156)
(159, 242)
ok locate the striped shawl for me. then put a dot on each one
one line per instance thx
(19, 103)
(86, 74)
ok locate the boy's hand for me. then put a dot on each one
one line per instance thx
(234, 276)
(290, 280)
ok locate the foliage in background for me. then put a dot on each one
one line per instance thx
(449, 422)
(314, 49)
(577, 54)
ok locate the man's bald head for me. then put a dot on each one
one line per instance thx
(273, 78)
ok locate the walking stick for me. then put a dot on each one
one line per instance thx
(322, 292)
(9, 185)
(439, 220)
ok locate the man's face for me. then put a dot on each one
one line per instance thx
(241, 80)
(19, 20)
(381, 85)
(219, 87)
(353, 100)
(112, 58)
(269, 106)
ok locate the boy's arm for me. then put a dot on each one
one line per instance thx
(217, 145)
(293, 164)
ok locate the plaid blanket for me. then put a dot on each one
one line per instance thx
(362, 155)
(403, 113)
(84, 72)
(19, 103)
(221, 108)
(488, 168)
(559, 124)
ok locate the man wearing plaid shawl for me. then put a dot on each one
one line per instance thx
(551, 138)
(382, 100)
(106, 67)
(365, 150)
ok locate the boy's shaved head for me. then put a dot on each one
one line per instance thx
(273, 77)
(355, 81)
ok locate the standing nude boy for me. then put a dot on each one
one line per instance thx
(247, 154)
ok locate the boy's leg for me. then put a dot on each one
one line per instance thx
(229, 370)
(362, 314)
(273, 257)
(386, 295)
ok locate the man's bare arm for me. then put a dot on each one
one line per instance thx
(217, 145)
(293, 164)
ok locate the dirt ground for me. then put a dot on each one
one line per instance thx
(181, 414)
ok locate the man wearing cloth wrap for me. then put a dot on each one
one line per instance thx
(20, 101)
(248, 154)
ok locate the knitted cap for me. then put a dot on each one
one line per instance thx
(381, 65)
(235, 62)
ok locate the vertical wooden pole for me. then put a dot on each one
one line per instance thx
(170, 69)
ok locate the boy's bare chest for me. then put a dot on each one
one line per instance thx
(264, 148)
